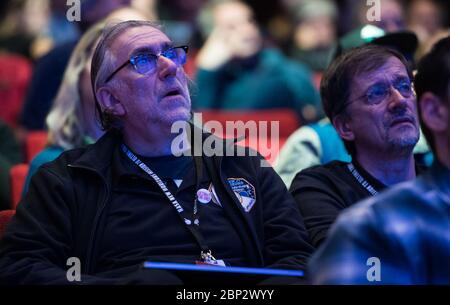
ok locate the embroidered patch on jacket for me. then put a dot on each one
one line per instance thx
(244, 191)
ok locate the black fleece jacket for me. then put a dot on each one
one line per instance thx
(62, 216)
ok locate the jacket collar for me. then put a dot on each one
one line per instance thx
(98, 156)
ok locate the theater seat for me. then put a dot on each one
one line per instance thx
(5, 218)
(18, 174)
(35, 142)
(287, 119)
(15, 75)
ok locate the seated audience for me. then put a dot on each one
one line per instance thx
(367, 95)
(235, 70)
(128, 198)
(401, 236)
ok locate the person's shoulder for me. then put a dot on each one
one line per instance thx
(327, 169)
(46, 155)
(331, 173)
(63, 50)
(398, 196)
(277, 59)
(57, 157)
(402, 201)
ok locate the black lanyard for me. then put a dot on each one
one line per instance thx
(365, 184)
(192, 223)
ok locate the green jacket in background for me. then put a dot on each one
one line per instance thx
(267, 81)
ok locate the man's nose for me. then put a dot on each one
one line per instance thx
(166, 67)
(396, 99)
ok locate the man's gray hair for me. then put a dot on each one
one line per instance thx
(103, 61)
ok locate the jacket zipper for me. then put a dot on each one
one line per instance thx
(97, 216)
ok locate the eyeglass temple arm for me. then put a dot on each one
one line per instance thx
(116, 71)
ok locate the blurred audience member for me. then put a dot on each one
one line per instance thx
(50, 68)
(20, 23)
(427, 45)
(392, 16)
(181, 20)
(403, 231)
(147, 7)
(425, 18)
(10, 155)
(57, 31)
(235, 70)
(71, 121)
(315, 33)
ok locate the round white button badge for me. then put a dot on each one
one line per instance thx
(204, 196)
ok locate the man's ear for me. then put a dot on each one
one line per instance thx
(341, 123)
(109, 103)
(435, 114)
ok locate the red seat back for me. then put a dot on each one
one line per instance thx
(5, 218)
(287, 121)
(15, 75)
(35, 142)
(17, 174)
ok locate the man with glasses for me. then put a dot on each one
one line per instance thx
(402, 235)
(367, 95)
(128, 199)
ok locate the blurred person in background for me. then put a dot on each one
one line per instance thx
(57, 30)
(425, 18)
(315, 33)
(428, 19)
(21, 21)
(180, 19)
(147, 7)
(71, 121)
(49, 69)
(392, 15)
(236, 71)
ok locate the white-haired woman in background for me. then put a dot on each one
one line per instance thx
(71, 121)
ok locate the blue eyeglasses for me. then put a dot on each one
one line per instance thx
(145, 63)
(382, 90)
